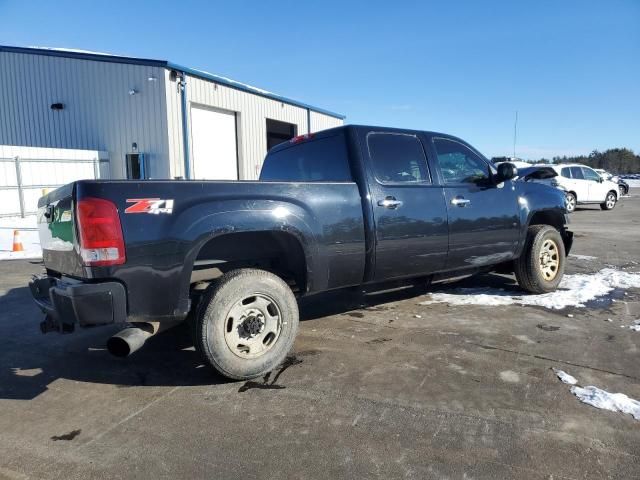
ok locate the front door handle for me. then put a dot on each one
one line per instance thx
(390, 202)
(460, 202)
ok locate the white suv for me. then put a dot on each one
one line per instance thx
(583, 185)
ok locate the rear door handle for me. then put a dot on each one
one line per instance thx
(460, 202)
(390, 202)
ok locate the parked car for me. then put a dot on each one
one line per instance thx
(606, 175)
(518, 163)
(583, 186)
(353, 206)
(623, 187)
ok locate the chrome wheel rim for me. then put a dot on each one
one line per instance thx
(252, 326)
(571, 203)
(611, 200)
(549, 260)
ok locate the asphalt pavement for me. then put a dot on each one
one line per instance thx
(376, 387)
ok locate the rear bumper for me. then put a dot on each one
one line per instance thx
(67, 302)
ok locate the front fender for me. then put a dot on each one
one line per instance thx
(540, 201)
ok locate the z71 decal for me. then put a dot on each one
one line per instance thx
(155, 206)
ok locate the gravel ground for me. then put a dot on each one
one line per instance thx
(376, 387)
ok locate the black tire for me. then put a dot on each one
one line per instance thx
(609, 201)
(572, 201)
(528, 268)
(211, 322)
(623, 190)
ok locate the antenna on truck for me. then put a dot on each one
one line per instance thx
(515, 135)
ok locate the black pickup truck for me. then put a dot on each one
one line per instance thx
(349, 206)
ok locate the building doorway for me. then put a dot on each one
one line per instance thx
(214, 144)
(278, 132)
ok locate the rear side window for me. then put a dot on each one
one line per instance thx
(576, 172)
(565, 172)
(321, 160)
(397, 158)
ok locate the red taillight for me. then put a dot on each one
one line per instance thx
(302, 138)
(101, 240)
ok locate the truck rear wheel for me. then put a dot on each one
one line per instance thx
(541, 265)
(246, 323)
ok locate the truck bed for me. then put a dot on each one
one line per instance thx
(162, 245)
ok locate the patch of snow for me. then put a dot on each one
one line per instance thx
(73, 50)
(29, 238)
(573, 291)
(235, 82)
(565, 377)
(582, 257)
(204, 72)
(509, 376)
(615, 402)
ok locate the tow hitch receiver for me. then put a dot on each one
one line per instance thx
(49, 324)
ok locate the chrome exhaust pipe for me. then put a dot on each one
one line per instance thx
(132, 338)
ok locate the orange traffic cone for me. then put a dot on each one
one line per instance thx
(17, 244)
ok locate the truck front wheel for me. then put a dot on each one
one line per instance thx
(541, 265)
(246, 323)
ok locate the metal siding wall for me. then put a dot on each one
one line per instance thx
(320, 121)
(252, 110)
(174, 119)
(99, 113)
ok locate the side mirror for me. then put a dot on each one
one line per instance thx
(506, 171)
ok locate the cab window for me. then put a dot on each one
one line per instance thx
(565, 172)
(458, 163)
(320, 160)
(397, 158)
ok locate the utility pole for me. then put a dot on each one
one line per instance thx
(515, 134)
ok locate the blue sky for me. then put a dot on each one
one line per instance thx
(570, 67)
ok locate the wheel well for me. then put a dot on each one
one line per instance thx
(547, 217)
(614, 192)
(556, 220)
(278, 252)
(573, 193)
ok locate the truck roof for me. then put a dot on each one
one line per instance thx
(333, 131)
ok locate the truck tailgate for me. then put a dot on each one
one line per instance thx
(56, 228)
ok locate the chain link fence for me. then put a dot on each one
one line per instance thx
(24, 180)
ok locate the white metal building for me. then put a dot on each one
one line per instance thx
(148, 115)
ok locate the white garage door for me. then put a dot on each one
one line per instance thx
(213, 144)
